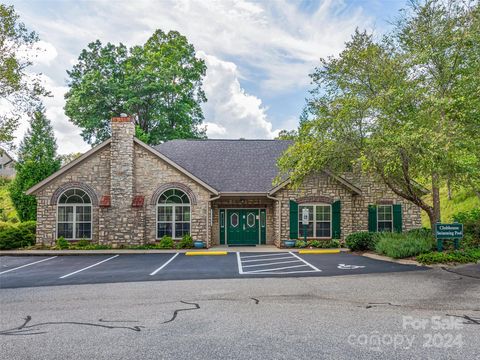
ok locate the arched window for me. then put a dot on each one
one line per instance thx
(74, 215)
(173, 214)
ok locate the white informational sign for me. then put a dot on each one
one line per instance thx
(305, 216)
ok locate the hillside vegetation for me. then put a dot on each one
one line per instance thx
(7, 211)
(462, 200)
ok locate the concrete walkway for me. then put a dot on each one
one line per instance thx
(244, 249)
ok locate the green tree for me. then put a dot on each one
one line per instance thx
(160, 83)
(18, 92)
(286, 135)
(397, 107)
(36, 161)
(68, 158)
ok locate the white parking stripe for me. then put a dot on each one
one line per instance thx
(252, 256)
(283, 272)
(19, 267)
(281, 268)
(239, 261)
(299, 258)
(274, 263)
(88, 267)
(269, 259)
(168, 262)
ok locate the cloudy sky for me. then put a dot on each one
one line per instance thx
(258, 53)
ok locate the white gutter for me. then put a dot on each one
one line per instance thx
(244, 194)
(209, 202)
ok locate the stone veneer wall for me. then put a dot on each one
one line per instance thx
(151, 172)
(94, 171)
(119, 222)
(239, 203)
(373, 191)
(354, 208)
(126, 225)
(320, 185)
(146, 172)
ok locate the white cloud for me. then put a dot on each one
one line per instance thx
(275, 38)
(272, 44)
(230, 111)
(46, 53)
(67, 134)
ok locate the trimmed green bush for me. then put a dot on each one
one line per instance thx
(89, 246)
(62, 243)
(460, 256)
(83, 243)
(399, 246)
(148, 246)
(185, 243)
(166, 242)
(300, 244)
(422, 232)
(324, 244)
(470, 242)
(471, 224)
(361, 241)
(14, 236)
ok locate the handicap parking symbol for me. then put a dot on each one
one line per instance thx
(349, 267)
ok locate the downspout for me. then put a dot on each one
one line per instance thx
(279, 216)
(209, 201)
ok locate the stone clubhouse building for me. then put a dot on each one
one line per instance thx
(125, 192)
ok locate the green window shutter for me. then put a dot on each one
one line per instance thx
(372, 218)
(293, 220)
(397, 218)
(336, 220)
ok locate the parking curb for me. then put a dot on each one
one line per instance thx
(205, 253)
(329, 251)
(396, 261)
(132, 251)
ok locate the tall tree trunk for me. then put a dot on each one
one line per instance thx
(449, 190)
(431, 216)
(436, 200)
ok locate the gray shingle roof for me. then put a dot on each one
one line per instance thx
(228, 165)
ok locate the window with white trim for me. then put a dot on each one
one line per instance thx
(385, 218)
(173, 214)
(319, 221)
(74, 215)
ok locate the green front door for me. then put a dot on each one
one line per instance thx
(243, 227)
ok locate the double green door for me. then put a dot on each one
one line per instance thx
(244, 226)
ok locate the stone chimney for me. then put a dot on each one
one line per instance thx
(121, 165)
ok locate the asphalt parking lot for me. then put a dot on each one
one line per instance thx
(32, 271)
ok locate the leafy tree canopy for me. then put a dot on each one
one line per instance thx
(160, 83)
(37, 160)
(68, 158)
(404, 107)
(286, 135)
(19, 93)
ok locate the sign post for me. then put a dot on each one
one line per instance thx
(305, 217)
(448, 232)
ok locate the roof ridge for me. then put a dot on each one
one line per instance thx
(204, 140)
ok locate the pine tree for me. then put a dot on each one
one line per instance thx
(37, 160)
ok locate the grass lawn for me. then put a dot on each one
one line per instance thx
(7, 211)
(462, 200)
